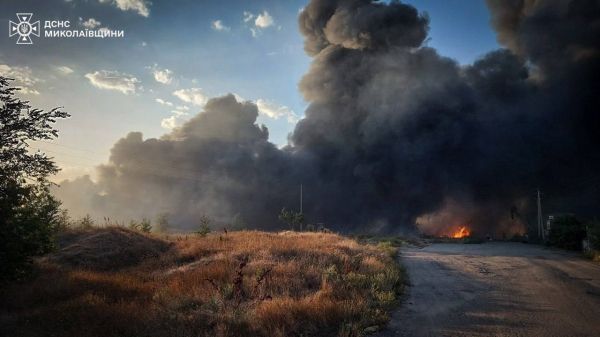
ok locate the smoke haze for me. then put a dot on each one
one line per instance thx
(394, 134)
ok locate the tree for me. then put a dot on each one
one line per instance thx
(162, 223)
(292, 218)
(204, 227)
(567, 232)
(593, 233)
(29, 215)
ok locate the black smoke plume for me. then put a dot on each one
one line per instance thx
(395, 134)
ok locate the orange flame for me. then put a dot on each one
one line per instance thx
(462, 232)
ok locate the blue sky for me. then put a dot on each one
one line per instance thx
(175, 55)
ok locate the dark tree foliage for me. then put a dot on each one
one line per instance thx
(28, 213)
(293, 219)
(593, 232)
(567, 232)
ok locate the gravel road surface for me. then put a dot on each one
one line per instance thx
(497, 289)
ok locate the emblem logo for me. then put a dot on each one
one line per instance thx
(24, 28)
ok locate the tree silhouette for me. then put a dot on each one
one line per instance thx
(28, 212)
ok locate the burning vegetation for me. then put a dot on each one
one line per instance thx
(461, 232)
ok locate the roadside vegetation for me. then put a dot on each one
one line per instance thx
(116, 281)
(569, 232)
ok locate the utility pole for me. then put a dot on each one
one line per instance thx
(541, 233)
(300, 198)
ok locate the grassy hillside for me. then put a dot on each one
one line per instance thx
(117, 282)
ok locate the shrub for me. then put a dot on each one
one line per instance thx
(27, 231)
(133, 225)
(63, 221)
(292, 218)
(162, 223)
(593, 231)
(145, 226)
(204, 228)
(87, 222)
(567, 232)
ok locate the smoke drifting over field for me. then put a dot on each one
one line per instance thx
(394, 133)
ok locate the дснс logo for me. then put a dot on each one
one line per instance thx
(24, 28)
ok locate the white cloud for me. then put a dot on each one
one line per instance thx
(192, 95)
(179, 113)
(264, 20)
(113, 80)
(28, 91)
(163, 102)
(164, 76)
(139, 6)
(275, 111)
(169, 123)
(173, 121)
(21, 75)
(218, 25)
(24, 79)
(64, 70)
(90, 23)
(257, 23)
(248, 16)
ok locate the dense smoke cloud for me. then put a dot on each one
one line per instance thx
(394, 134)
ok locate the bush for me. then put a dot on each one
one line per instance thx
(162, 223)
(145, 226)
(86, 222)
(567, 232)
(594, 234)
(27, 231)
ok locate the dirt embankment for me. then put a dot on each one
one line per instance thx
(111, 248)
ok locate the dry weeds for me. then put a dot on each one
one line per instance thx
(244, 283)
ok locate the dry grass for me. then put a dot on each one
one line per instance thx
(240, 284)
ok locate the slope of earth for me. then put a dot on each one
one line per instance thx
(117, 282)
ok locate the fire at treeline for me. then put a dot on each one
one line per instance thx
(396, 137)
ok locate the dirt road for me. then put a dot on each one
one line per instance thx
(497, 289)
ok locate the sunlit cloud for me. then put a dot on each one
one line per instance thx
(169, 123)
(138, 6)
(113, 80)
(258, 22)
(23, 77)
(193, 96)
(163, 102)
(248, 16)
(90, 23)
(219, 26)
(64, 70)
(164, 76)
(264, 20)
(275, 111)
(177, 118)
